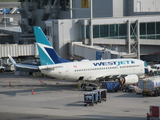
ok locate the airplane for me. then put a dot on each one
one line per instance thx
(89, 70)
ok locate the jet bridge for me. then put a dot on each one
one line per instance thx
(95, 52)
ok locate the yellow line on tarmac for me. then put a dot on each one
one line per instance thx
(15, 82)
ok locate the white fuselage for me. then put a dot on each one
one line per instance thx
(90, 70)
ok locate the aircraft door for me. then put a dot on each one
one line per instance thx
(66, 74)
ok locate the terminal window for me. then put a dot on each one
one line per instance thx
(64, 5)
(113, 31)
(150, 30)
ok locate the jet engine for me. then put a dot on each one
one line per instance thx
(129, 79)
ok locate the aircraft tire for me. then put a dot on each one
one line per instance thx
(84, 88)
(156, 93)
(123, 90)
(151, 72)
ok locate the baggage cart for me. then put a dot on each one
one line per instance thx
(90, 98)
(111, 86)
(102, 94)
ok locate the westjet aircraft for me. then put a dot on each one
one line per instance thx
(55, 66)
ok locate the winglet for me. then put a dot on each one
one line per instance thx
(12, 60)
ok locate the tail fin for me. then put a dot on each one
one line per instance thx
(147, 68)
(46, 52)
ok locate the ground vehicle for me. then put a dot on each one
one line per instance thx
(90, 98)
(89, 86)
(155, 67)
(132, 88)
(102, 94)
(150, 86)
(2, 69)
(111, 85)
(128, 88)
(7, 20)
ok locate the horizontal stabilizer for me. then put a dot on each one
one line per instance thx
(22, 65)
(45, 67)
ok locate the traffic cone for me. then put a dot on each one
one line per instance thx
(41, 81)
(32, 92)
(10, 84)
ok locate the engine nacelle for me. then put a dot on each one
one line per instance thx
(129, 79)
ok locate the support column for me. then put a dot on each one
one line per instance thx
(128, 37)
(71, 11)
(91, 24)
(138, 41)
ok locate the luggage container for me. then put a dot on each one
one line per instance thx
(102, 94)
(90, 98)
(154, 113)
(111, 85)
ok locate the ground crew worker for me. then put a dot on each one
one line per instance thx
(148, 116)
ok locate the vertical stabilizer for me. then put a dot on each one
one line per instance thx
(47, 54)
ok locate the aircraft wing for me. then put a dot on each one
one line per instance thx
(111, 77)
(22, 65)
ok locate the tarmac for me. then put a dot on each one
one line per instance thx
(39, 98)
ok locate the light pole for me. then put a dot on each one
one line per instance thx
(4, 19)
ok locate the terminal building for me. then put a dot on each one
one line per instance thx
(90, 29)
